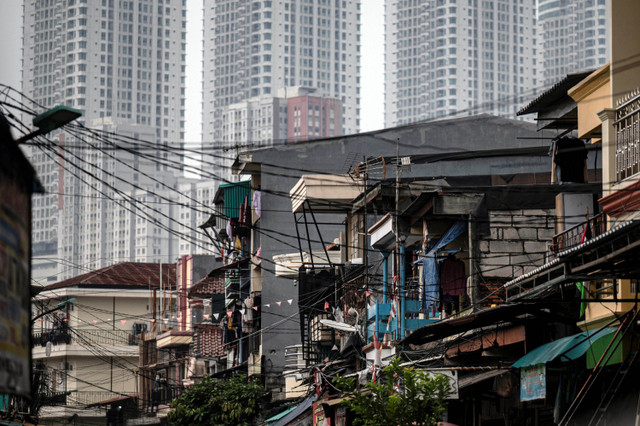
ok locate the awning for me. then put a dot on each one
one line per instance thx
(472, 379)
(118, 398)
(280, 415)
(294, 414)
(566, 349)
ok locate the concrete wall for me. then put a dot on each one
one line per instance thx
(625, 32)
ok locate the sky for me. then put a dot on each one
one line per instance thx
(372, 61)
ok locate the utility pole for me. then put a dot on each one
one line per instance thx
(365, 246)
(399, 247)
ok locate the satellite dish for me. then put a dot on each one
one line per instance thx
(338, 325)
(47, 349)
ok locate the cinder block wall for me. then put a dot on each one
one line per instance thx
(517, 243)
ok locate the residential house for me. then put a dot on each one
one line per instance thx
(86, 354)
(165, 348)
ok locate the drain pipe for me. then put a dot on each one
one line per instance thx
(402, 290)
(385, 274)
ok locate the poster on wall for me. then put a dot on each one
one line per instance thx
(14, 288)
(533, 383)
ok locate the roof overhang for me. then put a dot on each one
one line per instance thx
(554, 94)
(488, 317)
(288, 265)
(243, 164)
(174, 338)
(324, 193)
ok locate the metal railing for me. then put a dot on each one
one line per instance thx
(574, 235)
(77, 398)
(627, 127)
(84, 337)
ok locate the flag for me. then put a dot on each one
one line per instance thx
(123, 321)
(583, 295)
(289, 301)
(586, 234)
(279, 303)
(377, 350)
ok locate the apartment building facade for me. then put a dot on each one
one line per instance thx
(122, 64)
(253, 49)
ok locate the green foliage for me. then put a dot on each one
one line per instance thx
(400, 396)
(218, 402)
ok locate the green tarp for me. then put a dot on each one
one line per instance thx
(279, 416)
(569, 348)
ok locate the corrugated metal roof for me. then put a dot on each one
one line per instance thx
(234, 196)
(126, 274)
(567, 348)
(557, 91)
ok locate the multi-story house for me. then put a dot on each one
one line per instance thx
(86, 354)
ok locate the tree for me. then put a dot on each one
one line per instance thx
(218, 402)
(400, 396)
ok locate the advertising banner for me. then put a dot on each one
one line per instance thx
(533, 383)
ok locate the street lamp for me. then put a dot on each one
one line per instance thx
(58, 307)
(51, 119)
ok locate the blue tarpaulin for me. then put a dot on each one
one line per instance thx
(431, 280)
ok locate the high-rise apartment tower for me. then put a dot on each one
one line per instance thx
(252, 49)
(573, 36)
(448, 57)
(122, 63)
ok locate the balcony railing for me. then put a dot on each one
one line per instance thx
(84, 337)
(77, 398)
(627, 127)
(574, 235)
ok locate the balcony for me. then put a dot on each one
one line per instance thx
(68, 336)
(379, 318)
(174, 338)
(78, 399)
(627, 128)
(574, 235)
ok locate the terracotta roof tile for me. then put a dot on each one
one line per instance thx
(207, 287)
(123, 275)
(207, 340)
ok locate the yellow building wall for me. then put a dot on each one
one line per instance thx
(624, 47)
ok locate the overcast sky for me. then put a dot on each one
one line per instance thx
(372, 71)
